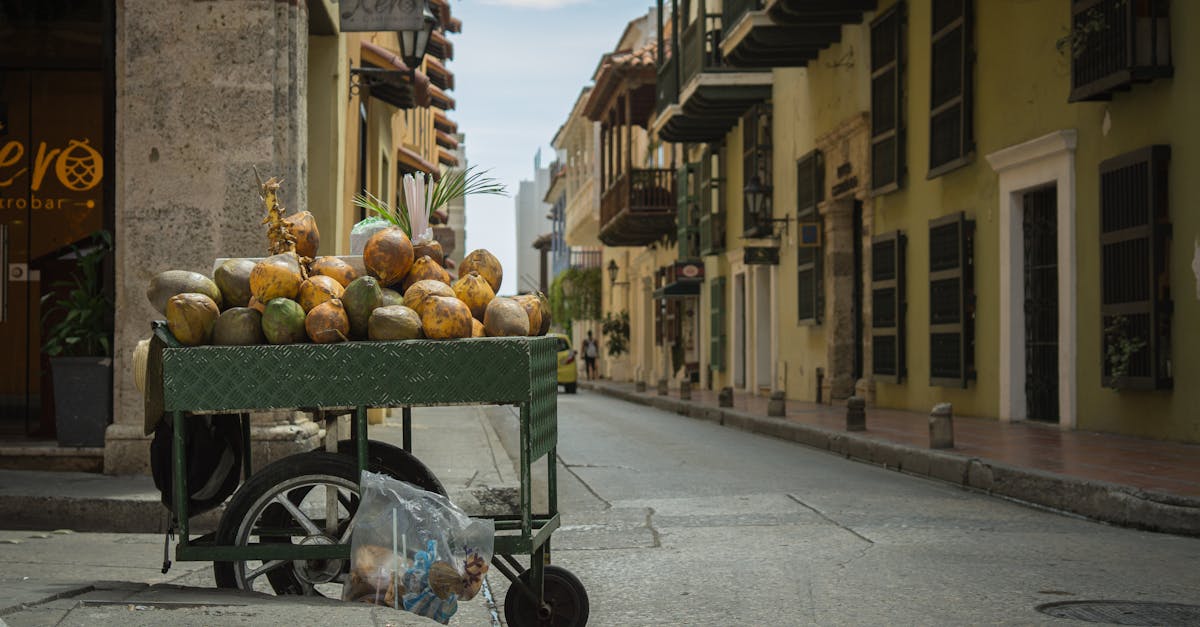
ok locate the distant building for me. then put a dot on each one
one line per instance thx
(532, 221)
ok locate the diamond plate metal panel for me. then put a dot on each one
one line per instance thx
(543, 406)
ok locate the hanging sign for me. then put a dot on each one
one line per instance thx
(761, 255)
(381, 15)
(688, 271)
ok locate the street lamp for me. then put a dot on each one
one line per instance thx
(758, 201)
(613, 270)
(414, 41)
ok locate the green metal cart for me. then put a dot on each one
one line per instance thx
(287, 528)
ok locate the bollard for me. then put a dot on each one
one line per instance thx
(639, 387)
(725, 397)
(662, 387)
(941, 426)
(777, 405)
(685, 390)
(856, 414)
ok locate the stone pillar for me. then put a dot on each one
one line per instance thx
(204, 92)
(941, 426)
(839, 298)
(725, 397)
(685, 390)
(856, 414)
(777, 404)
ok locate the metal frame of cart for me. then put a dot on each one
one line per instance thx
(355, 376)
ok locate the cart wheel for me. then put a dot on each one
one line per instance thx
(303, 499)
(563, 593)
(570, 387)
(394, 462)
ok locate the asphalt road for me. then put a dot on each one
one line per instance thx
(671, 520)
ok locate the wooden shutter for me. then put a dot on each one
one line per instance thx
(1135, 304)
(888, 307)
(810, 178)
(717, 328)
(1115, 43)
(951, 139)
(951, 301)
(686, 187)
(712, 206)
(887, 123)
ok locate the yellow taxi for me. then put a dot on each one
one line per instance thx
(568, 372)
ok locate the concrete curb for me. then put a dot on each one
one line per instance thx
(45, 513)
(1111, 503)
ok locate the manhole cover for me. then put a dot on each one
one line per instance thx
(1125, 612)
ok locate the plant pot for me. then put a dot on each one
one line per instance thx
(82, 399)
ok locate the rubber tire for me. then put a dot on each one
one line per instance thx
(570, 387)
(561, 589)
(396, 462)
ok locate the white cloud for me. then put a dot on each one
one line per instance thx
(534, 4)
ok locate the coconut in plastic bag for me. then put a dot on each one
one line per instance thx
(415, 550)
(363, 230)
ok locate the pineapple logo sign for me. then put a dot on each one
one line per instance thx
(77, 165)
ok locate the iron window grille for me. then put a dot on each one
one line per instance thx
(810, 189)
(887, 115)
(951, 301)
(756, 161)
(712, 205)
(951, 136)
(1115, 43)
(888, 307)
(717, 319)
(1135, 237)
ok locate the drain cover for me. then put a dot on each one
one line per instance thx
(1125, 612)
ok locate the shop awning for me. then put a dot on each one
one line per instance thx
(678, 289)
(391, 81)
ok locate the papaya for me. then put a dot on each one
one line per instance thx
(166, 284)
(338, 269)
(533, 309)
(417, 293)
(505, 317)
(283, 321)
(317, 289)
(361, 297)
(233, 279)
(191, 317)
(486, 264)
(475, 291)
(391, 297)
(433, 249)
(238, 326)
(388, 255)
(303, 226)
(446, 318)
(277, 276)
(394, 322)
(327, 323)
(425, 269)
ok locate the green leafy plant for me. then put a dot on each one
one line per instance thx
(453, 185)
(1119, 349)
(1093, 23)
(575, 295)
(616, 333)
(83, 329)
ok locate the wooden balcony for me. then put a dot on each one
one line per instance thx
(700, 95)
(785, 33)
(638, 208)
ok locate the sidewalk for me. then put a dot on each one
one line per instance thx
(1133, 482)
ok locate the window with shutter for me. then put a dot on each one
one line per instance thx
(888, 307)
(887, 122)
(951, 301)
(660, 279)
(712, 206)
(756, 164)
(1115, 43)
(687, 184)
(1135, 303)
(951, 139)
(810, 177)
(717, 327)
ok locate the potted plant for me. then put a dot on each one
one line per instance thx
(79, 345)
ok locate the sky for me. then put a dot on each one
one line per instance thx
(518, 68)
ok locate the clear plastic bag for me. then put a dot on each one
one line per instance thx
(363, 231)
(415, 550)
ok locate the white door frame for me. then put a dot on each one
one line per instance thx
(738, 296)
(763, 336)
(1049, 159)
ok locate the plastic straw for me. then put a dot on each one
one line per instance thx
(395, 567)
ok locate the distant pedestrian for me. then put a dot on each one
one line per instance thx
(591, 351)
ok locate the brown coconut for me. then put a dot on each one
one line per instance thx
(318, 289)
(486, 264)
(416, 295)
(304, 228)
(327, 323)
(425, 269)
(333, 267)
(477, 329)
(475, 291)
(446, 318)
(191, 317)
(505, 317)
(277, 276)
(388, 255)
(433, 249)
(533, 309)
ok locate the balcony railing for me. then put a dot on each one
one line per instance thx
(639, 191)
(733, 10)
(701, 47)
(585, 259)
(667, 85)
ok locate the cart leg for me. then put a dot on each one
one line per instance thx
(179, 470)
(247, 468)
(360, 437)
(552, 493)
(406, 429)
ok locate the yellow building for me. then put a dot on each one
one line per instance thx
(934, 201)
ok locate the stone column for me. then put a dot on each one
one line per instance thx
(839, 297)
(204, 92)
